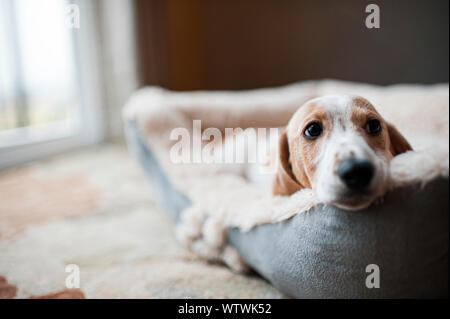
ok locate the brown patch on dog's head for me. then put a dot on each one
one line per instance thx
(297, 164)
(389, 141)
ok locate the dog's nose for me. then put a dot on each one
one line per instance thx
(356, 173)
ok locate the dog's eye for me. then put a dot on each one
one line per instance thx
(313, 130)
(373, 127)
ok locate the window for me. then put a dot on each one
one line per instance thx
(47, 103)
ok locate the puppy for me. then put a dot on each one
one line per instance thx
(339, 146)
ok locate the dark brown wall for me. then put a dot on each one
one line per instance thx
(195, 44)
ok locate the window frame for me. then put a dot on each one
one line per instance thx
(88, 65)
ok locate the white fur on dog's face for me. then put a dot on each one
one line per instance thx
(315, 162)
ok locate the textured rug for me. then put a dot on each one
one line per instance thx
(93, 208)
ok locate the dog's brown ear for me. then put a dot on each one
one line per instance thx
(399, 144)
(284, 182)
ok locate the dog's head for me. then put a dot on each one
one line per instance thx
(339, 146)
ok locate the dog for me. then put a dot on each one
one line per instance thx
(339, 146)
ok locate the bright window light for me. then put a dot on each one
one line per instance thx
(39, 95)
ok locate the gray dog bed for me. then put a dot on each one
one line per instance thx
(324, 253)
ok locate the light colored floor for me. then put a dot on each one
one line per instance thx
(94, 208)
